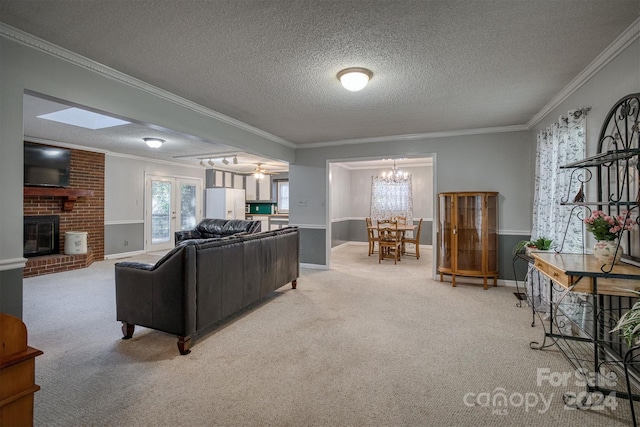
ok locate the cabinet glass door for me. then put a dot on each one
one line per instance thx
(445, 228)
(492, 231)
(469, 233)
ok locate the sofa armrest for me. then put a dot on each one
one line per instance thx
(137, 265)
(161, 295)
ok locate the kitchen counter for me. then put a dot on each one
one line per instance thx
(270, 221)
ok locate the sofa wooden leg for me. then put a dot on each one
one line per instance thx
(184, 344)
(127, 330)
(294, 284)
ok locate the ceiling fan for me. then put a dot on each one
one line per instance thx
(260, 172)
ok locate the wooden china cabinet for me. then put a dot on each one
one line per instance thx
(468, 235)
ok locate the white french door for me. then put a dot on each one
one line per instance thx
(171, 204)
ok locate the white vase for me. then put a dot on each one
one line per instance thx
(605, 251)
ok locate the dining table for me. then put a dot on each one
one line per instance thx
(402, 228)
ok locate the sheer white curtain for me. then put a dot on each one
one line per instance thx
(560, 144)
(391, 198)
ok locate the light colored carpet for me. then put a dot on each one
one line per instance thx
(362, 344)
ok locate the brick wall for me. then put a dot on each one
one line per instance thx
(87, 173)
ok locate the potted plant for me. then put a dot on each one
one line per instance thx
(628, 325)
(606, 230)
(540, 244)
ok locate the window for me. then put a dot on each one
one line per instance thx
(391, 198)
(283, 196)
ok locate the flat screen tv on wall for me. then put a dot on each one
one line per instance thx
(46, 166)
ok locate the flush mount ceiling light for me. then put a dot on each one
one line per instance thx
(354, 79)
(154, 142)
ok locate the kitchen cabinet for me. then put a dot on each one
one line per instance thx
(264, 189)
(238, 181)
(251, 187)
(226, 203)
(468, 235)
(258, 191)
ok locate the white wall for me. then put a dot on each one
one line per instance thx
(485, 162)
(359, 201)
(341, 194)
(124, 184)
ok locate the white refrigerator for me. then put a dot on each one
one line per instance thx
(225, 203)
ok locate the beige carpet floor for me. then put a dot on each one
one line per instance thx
(362, 344)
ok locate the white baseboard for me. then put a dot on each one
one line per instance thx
(313, 266)
(124, 255)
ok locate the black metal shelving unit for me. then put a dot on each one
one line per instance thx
(580, 324)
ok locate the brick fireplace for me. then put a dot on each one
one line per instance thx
(86, 214)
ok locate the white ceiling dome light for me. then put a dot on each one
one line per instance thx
(154, 142)
(354, 79)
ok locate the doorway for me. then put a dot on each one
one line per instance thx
(349, 197)
(171, 204)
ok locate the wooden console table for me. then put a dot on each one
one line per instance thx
(17, 373)
(582, 273)
(581, 330)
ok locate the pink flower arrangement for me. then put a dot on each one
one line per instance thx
(607, 227)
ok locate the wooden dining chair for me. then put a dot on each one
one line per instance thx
(402, 220)
(372, 236)
(415, 240)
(390, 241)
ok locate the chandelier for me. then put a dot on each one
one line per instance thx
(395, 174)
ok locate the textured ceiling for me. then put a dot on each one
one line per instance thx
(438, 65)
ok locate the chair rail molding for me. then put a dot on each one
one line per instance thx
(12, 263)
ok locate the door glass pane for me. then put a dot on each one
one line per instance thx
(160, 211)
(187, 207)
(469, 233)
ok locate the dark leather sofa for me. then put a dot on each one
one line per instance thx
(216, 228)
(200, 283)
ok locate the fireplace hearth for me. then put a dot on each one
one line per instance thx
(41, 235)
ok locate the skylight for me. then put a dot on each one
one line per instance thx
(83, 118)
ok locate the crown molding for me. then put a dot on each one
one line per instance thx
(66, 55)
(107, 152)
(623, 41)
(415, 136)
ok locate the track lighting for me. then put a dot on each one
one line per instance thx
(202, 163)
(211, 162)
(225, 161)
(235, 160)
